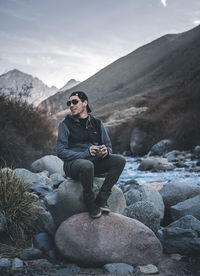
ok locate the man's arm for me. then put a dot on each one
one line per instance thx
(62, 145)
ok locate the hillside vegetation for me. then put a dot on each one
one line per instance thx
(25, 133)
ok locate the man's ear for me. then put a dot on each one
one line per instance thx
(85, 103)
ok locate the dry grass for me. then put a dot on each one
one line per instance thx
(25, 133)
(17, 207)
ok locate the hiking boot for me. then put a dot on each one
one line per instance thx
(101, 201)
(95, 213)
(103, 205)
(93, 210)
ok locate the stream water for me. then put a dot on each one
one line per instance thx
(131, 172)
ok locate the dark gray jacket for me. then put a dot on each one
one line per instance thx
(69, 148)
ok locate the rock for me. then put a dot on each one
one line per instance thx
(40, 264)
(197, 150)
(146, 213)
(4, 262)
(40, 189)
(146, 193)
(45, 223)
(51, 163)
(156, 185)
(148, 269)
(177, 191)
(57, 179)
(29, 177)
(17, 263)
(181, 241)
(43, 241)
(2, 223)
(119, 268)
(176, 257)
(154, 163)
(187, 222)
(67, 200)
(182, 236)
(112, 238)
(148, 164)
(172, 156)
(30, 254)
(142, 132)
(162, 147)
(190, 206)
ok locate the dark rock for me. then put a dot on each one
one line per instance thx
(40, 189)
(190, 206)
(162, 147)
(145, 193)
(182, 241)
(30, 254)
(43, 241)
(186, 222)
(146, 213)
(177, 191)
(119, 268)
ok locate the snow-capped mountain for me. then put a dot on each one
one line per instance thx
(17, 83)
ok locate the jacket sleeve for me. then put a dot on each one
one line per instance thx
(62, 146)
(105, 139)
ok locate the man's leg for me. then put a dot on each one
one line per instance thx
(113, 165)
(83, 171)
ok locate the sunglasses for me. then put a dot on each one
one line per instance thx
(73, 101)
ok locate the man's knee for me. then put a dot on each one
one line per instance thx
(87, 167)
(119, 161)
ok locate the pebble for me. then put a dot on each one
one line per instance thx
(148, 269)
(4, 262)
(119, 268)
(17, 263)
(30, 254)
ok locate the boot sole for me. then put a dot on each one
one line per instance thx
(103, 209)
(97, 216)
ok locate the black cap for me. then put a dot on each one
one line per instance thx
(83, 97)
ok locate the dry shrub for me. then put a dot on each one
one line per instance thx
(176, 116)
(25, 133)
(16, 204)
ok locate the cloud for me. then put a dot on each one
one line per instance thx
(164, 2)
(196, 22)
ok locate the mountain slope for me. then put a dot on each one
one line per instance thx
(16, 82)
(151, 70)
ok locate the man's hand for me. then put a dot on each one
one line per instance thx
(93, 149)
(101, 151)
(104, 151)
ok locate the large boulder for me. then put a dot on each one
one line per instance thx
(177, 191)
(146, 213)
(51, 163)
(182, 236)
(190, 206)
(146, 193)
(67, 200)
(162, 147)
(141, 136)
(112, 238)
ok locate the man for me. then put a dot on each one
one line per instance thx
(84, 146)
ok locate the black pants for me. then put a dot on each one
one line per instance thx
(84, 171)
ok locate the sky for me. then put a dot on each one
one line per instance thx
(57, 40)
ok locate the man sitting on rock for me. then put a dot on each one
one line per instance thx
(84, 146)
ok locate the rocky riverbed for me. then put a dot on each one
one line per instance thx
(164, 187)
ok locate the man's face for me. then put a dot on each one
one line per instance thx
(78, 108)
